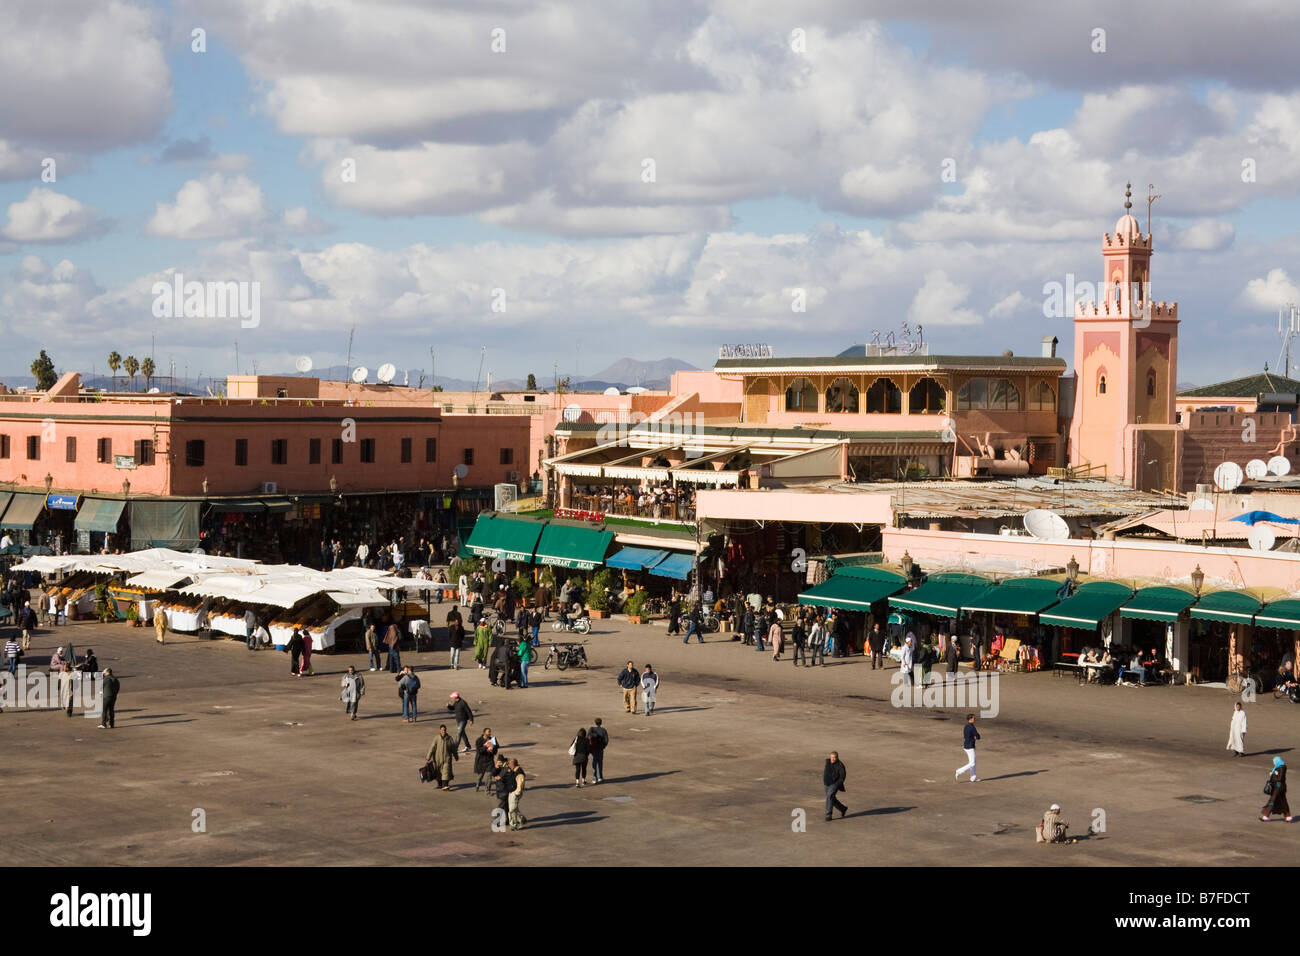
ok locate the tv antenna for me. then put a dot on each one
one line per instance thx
(1288, 324)
(1152, 196)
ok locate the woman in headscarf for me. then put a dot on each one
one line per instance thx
(1276, 790)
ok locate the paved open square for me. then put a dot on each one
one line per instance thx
(722, 773)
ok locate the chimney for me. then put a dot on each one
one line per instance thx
(1049, 346)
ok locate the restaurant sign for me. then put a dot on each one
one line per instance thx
(124, 461)
(752, 350)
(61, 502)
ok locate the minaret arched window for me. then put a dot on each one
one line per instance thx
(1101, 383)
(1151, 381)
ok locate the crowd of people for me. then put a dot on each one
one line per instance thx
(646, 501)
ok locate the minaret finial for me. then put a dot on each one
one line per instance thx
(1128, 195)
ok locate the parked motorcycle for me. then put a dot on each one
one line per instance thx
(565, 656)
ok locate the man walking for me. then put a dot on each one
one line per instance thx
(460, 710)
(629, 680)
(800, 640)
(455, 636)
(1237, 731)
(833, 778)
(876, 641)
(27, 620)
(408, 688)
(354, 685)
(372, 647)
(597, 741)
(649, 685)
(968, 737)
(817, 642)
(441, 753)
(108, 699)
(694, 625)
(908, 656)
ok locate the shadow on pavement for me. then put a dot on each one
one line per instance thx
(1270, 753)
(565, 819)
(878, 811)
(1008, 776)
(678, 710)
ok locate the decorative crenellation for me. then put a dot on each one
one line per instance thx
(1108, 309)
(1120, 240)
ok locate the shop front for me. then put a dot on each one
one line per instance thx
(1276, 636)
(1221, 628)
(936, 605)
(1012, 612)
(861, 592)
(1086, 618)
(1156, 624)
(97, 524)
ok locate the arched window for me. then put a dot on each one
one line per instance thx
(842, 396)
(927, 397)
(1151, 381)
(801, 396)
(1101, 384)
(884, 396)
(1003, 394)
(973, 394)
(1042, 398)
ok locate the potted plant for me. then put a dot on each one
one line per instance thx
(133, 614)
(598, 600)
(634, 605)
(523, 585)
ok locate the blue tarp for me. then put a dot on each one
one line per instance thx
(635, 559)
(676, 565)
(1251, 517)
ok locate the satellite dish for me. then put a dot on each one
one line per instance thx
(1047, 525)
(154, 390)
(612, 390)
(1201, 504)
(460, 471)
(1262, 538)
(1277, 465)
(636, 389)
(303, 363)
(359, 374)
(572, 412)
(1256, 469)
(1228, 475)
(387, 371)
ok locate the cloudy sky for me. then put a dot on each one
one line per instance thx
(641, 179)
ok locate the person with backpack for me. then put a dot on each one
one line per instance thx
(408, 688)
(597, 741)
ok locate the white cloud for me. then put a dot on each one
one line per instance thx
(939, 302)
(81, 74)
(48, 216)
(1204, 235)
(1271, 292)
(1010, 305)
(211, 207)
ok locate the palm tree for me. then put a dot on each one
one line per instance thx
(147, 369)
(132, 365)
(115, 363)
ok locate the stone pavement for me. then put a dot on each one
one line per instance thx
(719, 775)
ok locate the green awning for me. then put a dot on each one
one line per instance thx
(1158, 604)
(1235, 607)
(164, 523)
(1017, 596)
(494, 537)
(943, 594)
(239, 506)
(1284, 613)
(99, 514)
(851, 592)
(1087, 607)
(566, 546)
(23, 511)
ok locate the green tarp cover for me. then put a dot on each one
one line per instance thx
(1087, 607)
(851, 592)
(1017, 596)
(1158, 604)
(164, 524)
(566, 546)
(942, 594)
(1284, 613)
(503, 538)
(1235, 607)
(23, 511)
(99, 514)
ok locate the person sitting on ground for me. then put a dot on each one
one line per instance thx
(1052, 829)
